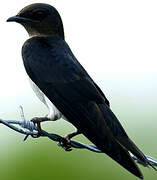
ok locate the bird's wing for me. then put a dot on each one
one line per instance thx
(52, 66)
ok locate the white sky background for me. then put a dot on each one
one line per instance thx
(106, 36)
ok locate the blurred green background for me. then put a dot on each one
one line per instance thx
(133, 100)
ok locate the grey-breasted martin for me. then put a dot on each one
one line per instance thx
(65, 87)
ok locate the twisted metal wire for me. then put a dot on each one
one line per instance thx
(28, 128)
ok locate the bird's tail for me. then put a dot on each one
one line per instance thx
(99, 133)
(121, 136)
(122, 156)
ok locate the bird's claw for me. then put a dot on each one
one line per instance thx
(37, 121)
(65, 144)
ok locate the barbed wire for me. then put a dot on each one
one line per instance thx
(28, 128)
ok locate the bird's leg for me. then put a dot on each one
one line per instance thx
(37, 121)
(51, 117)
(65, 143)
(71, 135)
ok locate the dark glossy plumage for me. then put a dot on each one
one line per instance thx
(55, 70)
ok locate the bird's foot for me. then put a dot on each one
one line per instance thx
(71, 135)
(65, 143)
(37, 122)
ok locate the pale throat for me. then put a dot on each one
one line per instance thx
(44, 32)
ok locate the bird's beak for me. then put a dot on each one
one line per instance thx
(19, 19)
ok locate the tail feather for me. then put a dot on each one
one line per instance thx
(121, 156)
(100, 134)
(120, 134)
(130, 146)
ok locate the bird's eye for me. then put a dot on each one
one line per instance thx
(39, 15)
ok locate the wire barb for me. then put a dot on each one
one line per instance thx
(28, 128)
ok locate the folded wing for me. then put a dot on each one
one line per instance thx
(52, 66)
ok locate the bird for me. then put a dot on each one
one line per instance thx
(65, 87)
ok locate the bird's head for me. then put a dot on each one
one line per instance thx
(40, 20)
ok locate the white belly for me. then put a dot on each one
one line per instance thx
(54, 113)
